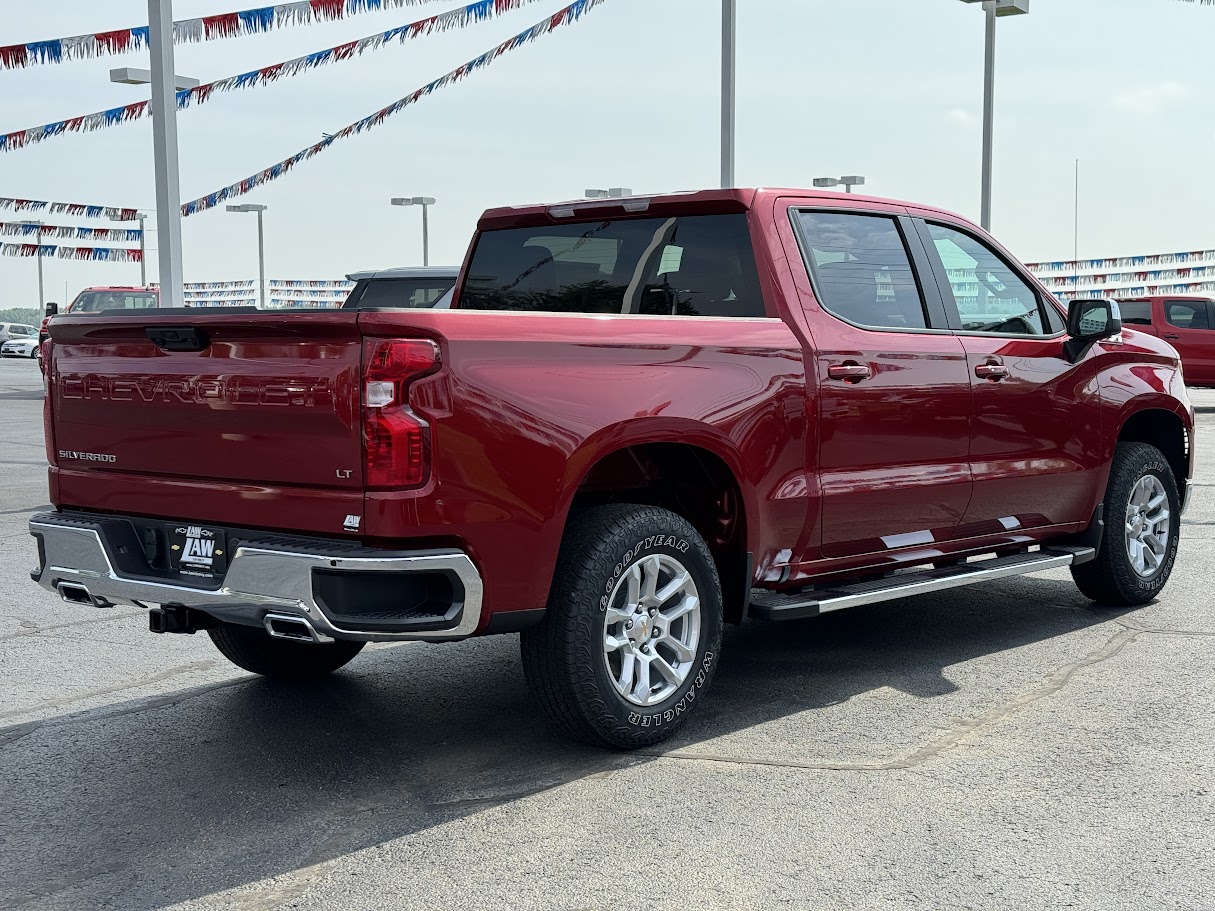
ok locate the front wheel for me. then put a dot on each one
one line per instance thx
(255, 650)
(632, 631)
(1142, 516)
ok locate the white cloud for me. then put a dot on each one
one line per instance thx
(1151, 99)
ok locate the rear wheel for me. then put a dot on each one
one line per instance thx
(1142, 519)
(254, 650)
(632, 631)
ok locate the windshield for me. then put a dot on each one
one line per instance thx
(690, 266)
(94, 301)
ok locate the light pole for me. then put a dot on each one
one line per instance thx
(38, 256)
(143, 247)
(164, 144)
(729, 31)
(994, 9)
(261, 244)
(613, 193)
(849, 181)
(425, 202)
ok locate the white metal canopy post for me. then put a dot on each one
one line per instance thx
(729, 21)
(164, 150)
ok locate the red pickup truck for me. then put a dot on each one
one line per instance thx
(641, 419)
(1186, 323)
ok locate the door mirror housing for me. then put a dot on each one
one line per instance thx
(1090, 320)
(52, 309)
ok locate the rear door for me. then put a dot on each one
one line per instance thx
(1137, 315)
(237, 418)
(1035, 424)
(1189, 327)
(893, 406)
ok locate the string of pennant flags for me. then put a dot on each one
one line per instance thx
(335, 286)
(114, 213)
(566, 16)
(479, 11)
(191, 31)
(95, 254)
(29, 228)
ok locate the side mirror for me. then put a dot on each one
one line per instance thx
(1089, 320)
(52, 309)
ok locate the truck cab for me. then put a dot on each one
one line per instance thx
(1185, 322)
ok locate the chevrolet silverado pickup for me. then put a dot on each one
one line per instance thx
(1186, 323)
(641, 419)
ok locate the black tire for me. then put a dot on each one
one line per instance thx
(254, 650)
(564, 657)
(1111, 579)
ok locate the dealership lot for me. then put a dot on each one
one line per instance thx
(1005, 746)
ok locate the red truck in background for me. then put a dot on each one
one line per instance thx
(98, 299)
(1186, 323)
(641, 419)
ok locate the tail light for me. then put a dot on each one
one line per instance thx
(48, 427)
(396, 442)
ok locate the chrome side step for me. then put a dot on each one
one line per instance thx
(769, 605)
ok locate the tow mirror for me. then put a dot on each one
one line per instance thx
(1089, 321)
(52, 309)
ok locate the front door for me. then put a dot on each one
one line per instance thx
(1035, 433)
(1189, 328)
(893, 409)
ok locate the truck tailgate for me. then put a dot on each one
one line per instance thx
(210, 403)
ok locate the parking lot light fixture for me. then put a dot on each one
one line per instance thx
(425, 202)
(261, 244)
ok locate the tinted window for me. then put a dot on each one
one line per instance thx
(399, 293)
(93, 301)
(990, 296)
(1136, 313)
(1187, 314)
(861, 269)
(692, 266)
(18, 331)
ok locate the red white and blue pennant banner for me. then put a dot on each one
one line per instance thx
(566, 16)
(187, 31)
(113, 213)
(1123, 262)
(100, 120)
(95, 254)
(30, 229)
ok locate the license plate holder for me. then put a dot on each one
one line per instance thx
(199, 551)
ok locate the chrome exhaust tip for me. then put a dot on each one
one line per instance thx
(293, 627)
(74, 593)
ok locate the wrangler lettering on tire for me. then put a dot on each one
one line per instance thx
(632, 631)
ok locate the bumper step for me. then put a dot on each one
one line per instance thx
(769, 605)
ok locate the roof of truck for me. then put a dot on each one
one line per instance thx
(451, 272)
(708, 201)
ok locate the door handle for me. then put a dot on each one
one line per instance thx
(993, 372)
(853, 373)
(1172, 336)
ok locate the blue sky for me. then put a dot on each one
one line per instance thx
(886, 88)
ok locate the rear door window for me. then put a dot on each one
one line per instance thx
(862, 270)
(1136, 313)
(1187, 314)
(699, 265)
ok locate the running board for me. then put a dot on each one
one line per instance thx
(770, 605)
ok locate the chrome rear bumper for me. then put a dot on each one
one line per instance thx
(76, 562)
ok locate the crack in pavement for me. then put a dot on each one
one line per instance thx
(11, 735)
(954, 737)
(108, 690)
(35, 630)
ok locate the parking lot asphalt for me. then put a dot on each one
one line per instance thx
(1004, 746)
